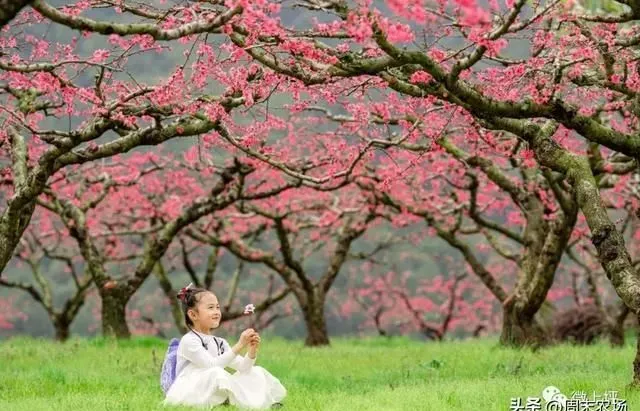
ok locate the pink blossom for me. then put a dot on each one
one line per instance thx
(100, 55)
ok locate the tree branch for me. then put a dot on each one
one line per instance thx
(235, 280)
(10, 8)
(212, 264)
(151, 29)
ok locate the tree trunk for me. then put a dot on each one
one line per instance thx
(62, 329)
(114, 319)
(7, 249)
(12, 226)
(616, 338)
(533, 282)
(61, 323)
(524, 322)
(636, 362)
(519, 327)
(167, 288)
(315, 321)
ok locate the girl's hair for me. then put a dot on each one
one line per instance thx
(188, 296)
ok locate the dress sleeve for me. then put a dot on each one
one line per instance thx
(239, 363)
(193, 351)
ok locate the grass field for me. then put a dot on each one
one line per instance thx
(372, 374)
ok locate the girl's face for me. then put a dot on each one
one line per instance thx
(206, 314)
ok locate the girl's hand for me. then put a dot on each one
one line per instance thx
(255, 340)
(253, 346)
(246, 337)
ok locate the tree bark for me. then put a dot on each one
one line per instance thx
(519, 327)
(13, 223)
(114, 318)
(616, 337)
(546, 241)
(10, 8)
(62, 326)
(636, 362)
(315, 320)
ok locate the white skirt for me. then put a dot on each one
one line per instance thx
(255, 389)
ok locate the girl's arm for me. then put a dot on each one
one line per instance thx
(192, 350)
(237, 348)
(253, 351)
(240, 363)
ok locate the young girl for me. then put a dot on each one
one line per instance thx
(201, 378)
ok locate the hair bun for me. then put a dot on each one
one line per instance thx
(182, 295)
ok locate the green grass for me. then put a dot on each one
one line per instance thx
(371, 374)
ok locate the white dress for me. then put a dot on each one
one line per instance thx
(201, 378)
